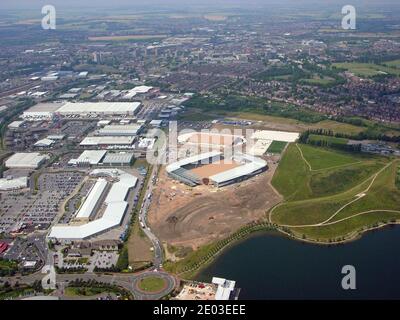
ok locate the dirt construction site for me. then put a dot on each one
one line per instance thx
(190, 217)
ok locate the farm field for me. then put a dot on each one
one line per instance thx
(336, 197)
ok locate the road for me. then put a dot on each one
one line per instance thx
(158, 252)
(126, 281)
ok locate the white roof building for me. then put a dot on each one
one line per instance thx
(120, 130)
(100, 108)
(44, 143)
(113, 214)
(16, 124)
(225, 288)
(8, 184)
(250, 166)
(25, 160)
(89, 157)
(137, 90)
(108, 141)
(118, 158)
(204, 158)
(41, 111)
(87, 208)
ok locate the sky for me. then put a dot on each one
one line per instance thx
(32, 4)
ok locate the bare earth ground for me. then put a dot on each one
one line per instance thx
(139, 248)
(211, 169)
(191, 217)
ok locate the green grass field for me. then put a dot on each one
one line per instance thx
(277, 147)
(84, 291)
(316, 137)
(368, 69)
(345, 195)
(321, 158)
(152, 284)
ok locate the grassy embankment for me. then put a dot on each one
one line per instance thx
(333, 196)
(192, 263)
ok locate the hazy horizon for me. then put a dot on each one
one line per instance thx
(186, 4)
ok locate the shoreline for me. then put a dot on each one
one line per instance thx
(279, 232)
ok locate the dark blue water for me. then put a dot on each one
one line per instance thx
(269, 266)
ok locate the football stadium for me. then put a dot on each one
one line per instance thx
(213, 169)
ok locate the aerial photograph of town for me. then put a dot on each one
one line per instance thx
(225, 150)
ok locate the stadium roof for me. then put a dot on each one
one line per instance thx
(93, 197)
(110, 140)
(99, 107)
(93, 157)
(252, 164)
(25, 160)
(112, 216)
(199, 157)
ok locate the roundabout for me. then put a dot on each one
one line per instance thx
(153, 285)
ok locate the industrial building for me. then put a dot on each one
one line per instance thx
(120, 130)
(47, 111)
(44, 143)
(115, 202)
(135, 91)
(87, 209)
(11, 183)
(41, 111)
(26, 160)
(99, 108)
(88, 158)
(121, 141)
(118, 159)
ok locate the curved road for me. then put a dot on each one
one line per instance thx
(126, 281)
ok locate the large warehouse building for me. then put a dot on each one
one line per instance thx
(11, 183)
(41, 111)
(25, 160)
(117, 141)
(99, 108)
(84, 225)
(120, 130)
(88, 158)
(47, 111)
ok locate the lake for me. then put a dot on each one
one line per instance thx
(270, 266)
